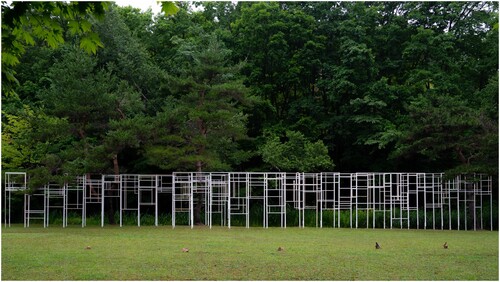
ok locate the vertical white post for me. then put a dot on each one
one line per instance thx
(247, 195)
(474, 188)
(25, 209)
(465, 203)
(451, 184)
(390, 199)
(491, 203)
(369, 199)
(29, 209)
(480, 190)
(302, 188)
(339, 199)
(191, 195)
(417, 187)
(408, 201)
(350, 201)
(173, 199)
(401, 197)
(433, 202)
(156, 199)
(65, 206)
(229, 200)
(46, 211)
(356, 198)
(102, 200)
(10, 203)
(265, 200)
(339, 202)
(139, 199)
(209, 202)
(7, 200)
(7, 204)
(207, 186)
(459, 184)
(122, 188)
(320, 186)
(84, 209)
(283, 185)
(425, 201)
(441, 200)
(46, 205)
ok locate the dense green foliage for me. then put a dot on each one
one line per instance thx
(26, 23)
(376, 86)
(331, 219)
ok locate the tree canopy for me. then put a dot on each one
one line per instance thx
(299, 86)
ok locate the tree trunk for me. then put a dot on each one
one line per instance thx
(116, 167)
(470, 203)
(197, 209)
(114, 189)
(199, 199)
(89, 183)
(472, 215)
(202, 130)
(111, 205)
(469, 188)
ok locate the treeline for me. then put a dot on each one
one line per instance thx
(257, 86)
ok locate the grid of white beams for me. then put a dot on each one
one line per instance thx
(227, 195)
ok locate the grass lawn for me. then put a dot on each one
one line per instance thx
(155, 253)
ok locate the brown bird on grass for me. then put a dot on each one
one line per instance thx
(185, 250)
(445, 245)
(280, 249)
(88, 248)
(377, 246)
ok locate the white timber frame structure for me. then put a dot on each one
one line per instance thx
(369, 199)
(14, 182)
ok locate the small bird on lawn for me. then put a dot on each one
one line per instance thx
(185, 250)
(88, 248)
(445, 245)
(280, 249)
(377, 246)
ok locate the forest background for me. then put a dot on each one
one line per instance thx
(250, 86)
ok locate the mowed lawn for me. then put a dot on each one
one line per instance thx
(155, 253)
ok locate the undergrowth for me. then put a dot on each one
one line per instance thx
(346, 218)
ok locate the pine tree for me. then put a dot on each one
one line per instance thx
(200, 127)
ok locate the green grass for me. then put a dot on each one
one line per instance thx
(154, 253)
